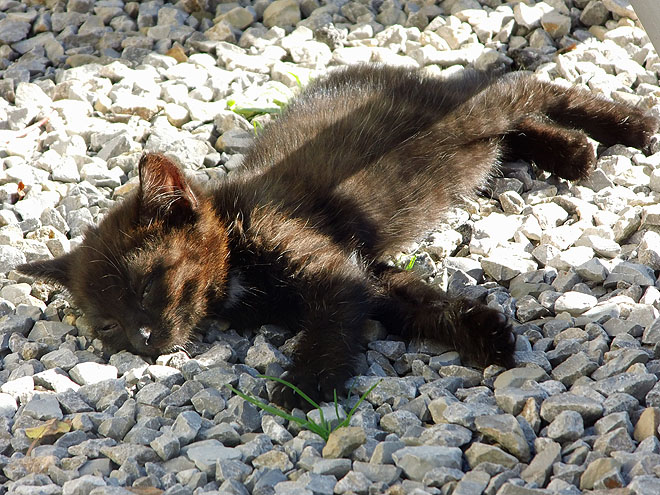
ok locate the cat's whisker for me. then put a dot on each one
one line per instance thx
(112, 252)
(126, 234)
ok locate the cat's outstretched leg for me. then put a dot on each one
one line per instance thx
(549, 124)
(561, 151)
(407, 305)
(323, 360)
(606, 121)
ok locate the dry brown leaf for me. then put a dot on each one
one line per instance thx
(51, 427)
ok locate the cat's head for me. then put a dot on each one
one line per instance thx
(145, 275)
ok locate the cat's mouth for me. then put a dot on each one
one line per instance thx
(191, 349)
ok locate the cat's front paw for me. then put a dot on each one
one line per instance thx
(317, 388)
(287, 397)
(490, 336)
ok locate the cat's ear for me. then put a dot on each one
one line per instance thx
(57, 270)
(164, 192)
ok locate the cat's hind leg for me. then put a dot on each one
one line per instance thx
(561, 151)
(550, 124)
(606, 121)
(408, 306)
(571, 107)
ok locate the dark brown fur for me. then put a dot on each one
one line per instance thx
(362, 163)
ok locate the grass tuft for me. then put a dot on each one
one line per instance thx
(322, 428)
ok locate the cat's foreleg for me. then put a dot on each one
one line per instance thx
(407, 305)
(329, 339)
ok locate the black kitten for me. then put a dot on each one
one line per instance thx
(363, 162)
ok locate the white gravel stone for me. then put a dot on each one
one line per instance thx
(571, 258)
(621, 8)
(607, 248)
(43, 407)
(11, 257)
(567, 426)
(575, 303)
(417, 461)
(82, 485)
(281, 13)
(530, 16)
(90, 373)
(649, 250)
(593, 270)
(628, 222)
(8, 405)
(549, 215)
(503, 266)
(561, 237)
(556, 24)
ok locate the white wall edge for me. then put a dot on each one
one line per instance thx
(648, 12)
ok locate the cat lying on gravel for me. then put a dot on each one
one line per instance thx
(363, 162)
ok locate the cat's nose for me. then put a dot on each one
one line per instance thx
(145, 335)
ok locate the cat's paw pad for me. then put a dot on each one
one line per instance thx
(491, 333)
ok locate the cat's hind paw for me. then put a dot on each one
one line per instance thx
(559, 150)
(640, 129)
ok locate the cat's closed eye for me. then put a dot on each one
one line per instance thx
(146, 290)
(108, 328)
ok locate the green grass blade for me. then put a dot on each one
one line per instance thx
(294, 388)
(350, 389)
(336, 404)
(324, 423)
(347, 420)
(364, 396)
(320, 430)
(298, 82)
(411, 263)
(268, 407)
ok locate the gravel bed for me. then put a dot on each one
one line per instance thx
(87, 86)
